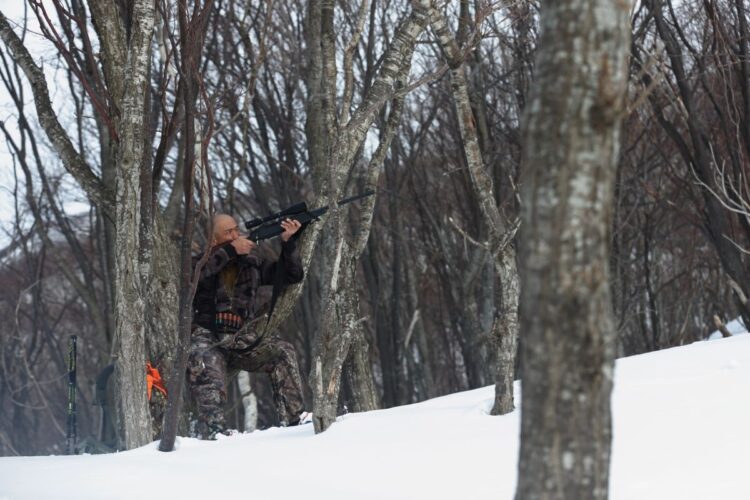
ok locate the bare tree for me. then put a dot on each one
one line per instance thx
(334, 139)
(123, 204)
(502, 229)
(692, 64)
(571, 143)
(140, 267)
(419, 303)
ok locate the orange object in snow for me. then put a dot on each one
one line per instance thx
(153, 379)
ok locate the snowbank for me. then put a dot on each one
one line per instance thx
(681, 418)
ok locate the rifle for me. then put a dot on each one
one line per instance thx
(263, 228)
(270, 227)
(72, 436)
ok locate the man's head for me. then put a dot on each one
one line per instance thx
(225, 229)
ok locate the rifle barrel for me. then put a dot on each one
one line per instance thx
(356, 197)
(273, 227)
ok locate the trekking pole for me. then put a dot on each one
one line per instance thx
(72, 427)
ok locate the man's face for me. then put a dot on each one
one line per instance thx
(225, 229)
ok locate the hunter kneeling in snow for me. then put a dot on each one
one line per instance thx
(226, 325)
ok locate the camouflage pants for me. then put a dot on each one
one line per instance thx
(210, 359)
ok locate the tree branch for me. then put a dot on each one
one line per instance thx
(62, 144)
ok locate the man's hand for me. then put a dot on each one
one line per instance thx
(243, 246)
(290, 227)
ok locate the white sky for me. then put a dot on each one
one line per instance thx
(44, 54)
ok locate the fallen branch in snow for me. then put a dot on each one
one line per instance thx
(721, 327)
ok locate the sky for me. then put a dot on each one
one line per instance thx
(43, 54)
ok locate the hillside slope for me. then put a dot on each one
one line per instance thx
(682, 430)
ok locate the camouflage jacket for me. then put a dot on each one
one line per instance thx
(229, 282)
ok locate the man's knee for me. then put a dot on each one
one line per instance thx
(206, 382)
(286, 350)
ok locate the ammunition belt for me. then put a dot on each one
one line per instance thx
(226, 322)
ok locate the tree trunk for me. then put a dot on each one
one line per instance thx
(358, 368)
(420, 339)
(192, 31)
(129, 290)
(571, 142)
(332, 341)
(505, 332)
(249, 402)
(162, 298)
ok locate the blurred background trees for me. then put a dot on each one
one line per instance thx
(428, 292)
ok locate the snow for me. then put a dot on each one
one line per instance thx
(681, 430)
(735, 327)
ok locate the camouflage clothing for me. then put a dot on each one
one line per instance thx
(229, 282)
(211, 357)
(227, 296)
(157, 406)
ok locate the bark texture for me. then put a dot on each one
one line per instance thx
(129, 292)
(137, 272)
(571, 142)
(505, 331)
(332, 341)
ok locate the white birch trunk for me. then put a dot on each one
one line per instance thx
(129, 290)
(249, 401)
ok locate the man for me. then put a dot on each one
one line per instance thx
(226, 324)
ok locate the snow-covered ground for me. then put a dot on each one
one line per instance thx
(681, 431)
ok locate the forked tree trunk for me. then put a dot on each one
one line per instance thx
(571, 142)
(138, 259)
(333, 149)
